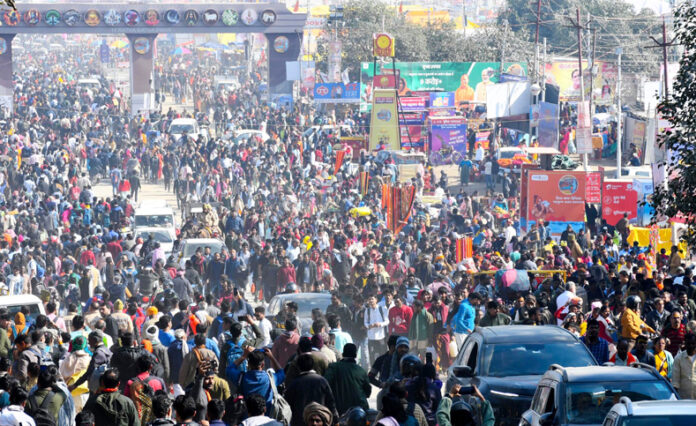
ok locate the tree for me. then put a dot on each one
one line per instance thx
(676, 197)
(437, 42)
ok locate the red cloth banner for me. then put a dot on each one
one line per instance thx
(339, 160)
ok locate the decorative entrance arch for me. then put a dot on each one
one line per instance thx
(141, 23)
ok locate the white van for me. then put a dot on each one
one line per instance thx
(181, 125)
(148, 217)
(15, 303)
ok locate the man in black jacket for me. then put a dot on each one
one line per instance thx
(125, 357)
(306, 388)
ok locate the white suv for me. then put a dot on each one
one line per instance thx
(643, 413)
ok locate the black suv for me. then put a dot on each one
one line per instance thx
(506, 363)
(584, 395)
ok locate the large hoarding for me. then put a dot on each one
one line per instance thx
(556, 196)
(468, 80)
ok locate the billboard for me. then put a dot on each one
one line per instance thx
(565, 75)
(618, 198)
(556, 196)
(547, 126)
(448, 135)
(468, 80)
(384, 123)
(336, 93)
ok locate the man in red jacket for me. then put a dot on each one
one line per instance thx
(286, 274)
(400, 317)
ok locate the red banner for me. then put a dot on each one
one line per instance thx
(464, 249)
(619, 198)
(339, 160)
(364, 182)
(399, 206)
(556, 196)
(593, 187)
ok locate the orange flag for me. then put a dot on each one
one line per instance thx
(464, 248)
(339, 160)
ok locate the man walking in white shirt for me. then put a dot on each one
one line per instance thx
(376, 321)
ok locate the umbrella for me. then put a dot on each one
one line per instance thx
(181, 51)
(511, 281)
(119, 44)
(437, 285)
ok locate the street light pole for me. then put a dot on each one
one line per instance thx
(619, 129)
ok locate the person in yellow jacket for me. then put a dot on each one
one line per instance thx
(631, 324)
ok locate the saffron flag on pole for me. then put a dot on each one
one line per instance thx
(339, 160)
(399, 206)
(364, 183)
(385, 195)
(465, 249)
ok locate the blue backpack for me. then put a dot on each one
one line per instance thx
(232, 353)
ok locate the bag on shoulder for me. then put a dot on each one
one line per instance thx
(234, 351)
(280, 409)
(40, 413)
(98, 371)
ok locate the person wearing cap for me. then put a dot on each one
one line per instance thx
(101, 355)
(349, 382)
(158, 350)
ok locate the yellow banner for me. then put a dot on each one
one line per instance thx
(384, 125)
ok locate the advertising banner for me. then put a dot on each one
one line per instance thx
(307, 74)
(336, 93)
(412, 137)
(447, 136)
(413, 104)
(384, 123)
(556, 196)
(547, 129)
(412, 118)
(583, 132)
(618, 198)
(468, 80)
(356, 143)
(593, 187)
(565, 75)
(335, 49)
(482, 139)
(442, 100)
(386, 81)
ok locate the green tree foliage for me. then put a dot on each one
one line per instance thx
(676, 197)
(438, 41)
(617, 24)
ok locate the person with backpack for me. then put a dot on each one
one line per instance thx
(232, 349)
(109, 406)
(28, 353)
(376, 321)
(101, 357)
(257, 380)
(126, 357)
(198, 355)
(45, 403)
(142, 388)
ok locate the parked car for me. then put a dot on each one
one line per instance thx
(506, 363)
(584, 395)
(641, 413)
(14, 303)
(305, 302)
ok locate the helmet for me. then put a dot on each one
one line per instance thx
(291, 288)
(632, 302)
(410, 365)
(355, 416)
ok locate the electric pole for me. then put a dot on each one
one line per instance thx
(663, 44)
(619, 127)
(581, 106)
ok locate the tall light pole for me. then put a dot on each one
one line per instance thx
(619, 130)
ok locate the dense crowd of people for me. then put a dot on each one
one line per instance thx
(131, 336)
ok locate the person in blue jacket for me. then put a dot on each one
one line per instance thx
(464, 320)
(256, 380)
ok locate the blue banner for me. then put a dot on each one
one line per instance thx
(336, 93)
(442, 100)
